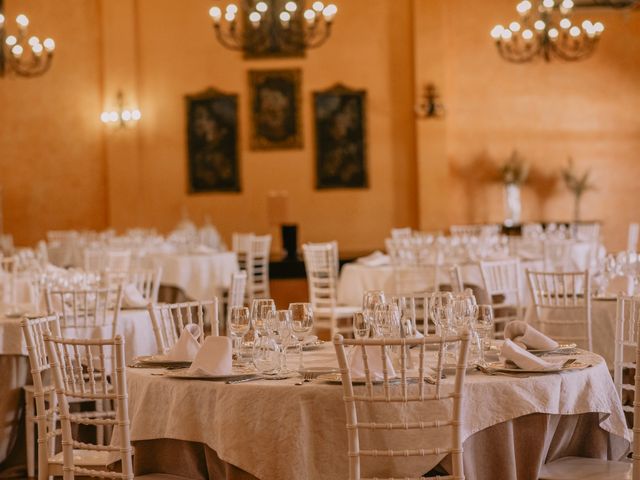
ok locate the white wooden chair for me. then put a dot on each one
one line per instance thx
(78, 372)
(365, 405)
(146, 280)
(627, 326)
(579, 468)
(562, 305)
(235, 297)
(169, 319)
(321, 264)
(42, 395)
(83, 311)
(253, 257)
(502, 281)
(455, 278)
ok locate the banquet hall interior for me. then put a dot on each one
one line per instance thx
(319, 239)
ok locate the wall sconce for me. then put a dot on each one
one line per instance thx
(430, 106)
(122, 116)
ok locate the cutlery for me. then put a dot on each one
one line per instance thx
(243, 380)
(307, 377)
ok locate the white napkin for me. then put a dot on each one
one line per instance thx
(203, 249)
(524, 359)
(374, 360)
(187, 346)
(527, 337)
(214, 358)
(376, 259)
(132, 298)
(310, 340)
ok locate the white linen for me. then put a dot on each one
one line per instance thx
(214, 357)
(200, 277)
(237, 421)
(523, 359)
(374, 361)
(527, 337)
(376, 259)
(134, 326)
(132, 298)
(187, 346)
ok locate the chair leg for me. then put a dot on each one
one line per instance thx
(30, 426)
(99, 429)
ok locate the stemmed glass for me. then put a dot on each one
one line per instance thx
(361, 325)
(279, 325)
(370, 300)
(239, 323)
(407, 308)
(484, 328)
(441, 311)
(386, 318)
(301, 325)
(261, 308)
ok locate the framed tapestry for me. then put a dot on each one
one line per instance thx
(212, 142)
(275, 109)
(340, 115)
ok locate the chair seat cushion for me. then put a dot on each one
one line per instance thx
(579, 468)
(88, 458)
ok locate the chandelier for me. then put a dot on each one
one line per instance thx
(25, 55)
(546, 29)
(274, 27)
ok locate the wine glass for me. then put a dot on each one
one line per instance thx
(279, 325)
(407, 308)
(370, 299)
(239, 323)
(441, 311)
(386, 318)
(484, 327)
(301, 325)
(361, 325)
(266, 355)
(260, 310)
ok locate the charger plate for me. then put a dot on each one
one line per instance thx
(501, 367)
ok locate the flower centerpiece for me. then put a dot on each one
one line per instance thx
(578, 184)
(513, 173)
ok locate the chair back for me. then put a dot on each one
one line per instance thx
(34, 330)
(83, 311)
(502, 281)
(235, 298)
(321, 265)
(626, 342)
(562, 302)
(146, 280)
(253, 257)
(169, 319)
(455, 278)
(79, 372)
(420, 407)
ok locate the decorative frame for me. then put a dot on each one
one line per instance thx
(340, 138)
(274, 99)
(212, 142)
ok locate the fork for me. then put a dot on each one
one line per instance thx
(307, 377)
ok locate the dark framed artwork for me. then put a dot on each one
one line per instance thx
(212, 142)
(272, 39)
(340, 121)
(275, 109)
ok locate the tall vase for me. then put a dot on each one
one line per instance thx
(513, 204)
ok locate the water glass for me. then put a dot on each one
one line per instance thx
(279, 326)
(484, 327)
(386, 318)
(370, 299)
(239, 323)
(266, 355)
(301, 325)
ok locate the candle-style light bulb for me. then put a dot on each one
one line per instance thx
(1, 20)
(254, 18)
(136, 115)
(49, 45)
(496, 32)
(291, 7)
(17, 51)
(329, 12)
(11, 40)
(285, 18)
(37, 49)
(310, 16)
(215, 13)
(22, 21)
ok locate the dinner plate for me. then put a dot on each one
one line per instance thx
(312, 346)
(336, 378)
(561, 347)
(501, 367)
(186, 375)
(317, 371)
(159, 360)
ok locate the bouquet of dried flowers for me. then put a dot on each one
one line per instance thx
(515, 170)
(577, 183)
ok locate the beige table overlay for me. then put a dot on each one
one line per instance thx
(275, 430)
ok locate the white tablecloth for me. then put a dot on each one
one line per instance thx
(199, 276)
(134, 326)
(355, 279)
(274, 430)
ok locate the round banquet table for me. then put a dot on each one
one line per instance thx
(199, 276)
(356, 278)
(272, 430)
(134, 325)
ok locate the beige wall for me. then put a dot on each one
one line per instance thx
(422, 172)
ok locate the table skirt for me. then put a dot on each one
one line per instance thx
(512, 450)
(14, 373)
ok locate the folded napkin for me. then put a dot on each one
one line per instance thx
(187, 346)
(132, 298)
(214, 358)
(203, 249)
(523, 359)
(376, 259)
(527, 337)
(374, 360)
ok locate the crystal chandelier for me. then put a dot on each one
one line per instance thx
(546, 29)
(274, 27)
(25, 55)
